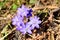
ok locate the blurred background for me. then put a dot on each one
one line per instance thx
(47, 10)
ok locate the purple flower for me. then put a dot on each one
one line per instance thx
(19, 19)
(35, 22)
(24, 11)
(16, 20)
(20, 26)
(26, 29)
(29, 14)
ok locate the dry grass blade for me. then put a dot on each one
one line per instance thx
(8, 34)
(42, 7)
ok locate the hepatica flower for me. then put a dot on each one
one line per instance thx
(34, 21)
(19, 19)
(24, 11)
(27, 28)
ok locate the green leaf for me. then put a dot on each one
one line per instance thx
(14, 6)
(1, 4)
(33, 1)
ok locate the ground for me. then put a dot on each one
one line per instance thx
(47, 10)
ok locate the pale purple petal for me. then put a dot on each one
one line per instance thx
(29, 31)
